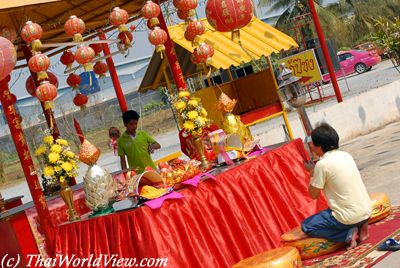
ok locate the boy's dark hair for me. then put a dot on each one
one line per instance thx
(114, 132)
(325, 136)
(129, 116)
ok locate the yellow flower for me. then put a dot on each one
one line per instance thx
(193, 103)
(204, 112)
(201, 121)
(192, 115)
(48, 139)
(183, 94)
(48, 171)
(62, 179)
(57, 169)
(53, 157)
(41, 150)
(180, 105)
(67, 166)
(62, 142)
(189, 125)
(69, 154)
(56, 148)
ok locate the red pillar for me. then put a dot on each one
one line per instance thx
(48, 113)
(114, 76)
(26, 162)
(171, 56)
(325, 50)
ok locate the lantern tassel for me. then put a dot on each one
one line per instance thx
(235, 36)
(127, 42)
(49, 105)
(160, 49)
(77, 38)
(196, 41)
(37, 45)
(154, 22)
(82, 107)
(191, 13)
(88, 67)
(122, 28)
(42, 76)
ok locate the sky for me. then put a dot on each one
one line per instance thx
(140, 48)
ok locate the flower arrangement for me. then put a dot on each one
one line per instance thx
(60, 163)
(194, 116)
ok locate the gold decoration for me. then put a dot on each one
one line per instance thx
(151, 192)
(198, 141)
(225, 104)
(89, 154)
(68, 197)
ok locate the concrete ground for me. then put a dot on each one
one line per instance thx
(377, 157)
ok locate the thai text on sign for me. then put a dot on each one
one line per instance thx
(304, 65)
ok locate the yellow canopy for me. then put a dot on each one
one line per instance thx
(257, 39)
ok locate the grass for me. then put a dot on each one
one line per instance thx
(155, 124)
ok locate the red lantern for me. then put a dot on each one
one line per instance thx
(100, 68)
(132, 28)
(67, 58)
(205, 53)
(80, 100)
(158, 37)
(73, 81)
(9, 33)
(8, 57)
(193, 57)
(74, 26)
(151, 11)
(84, 55)
(30, 85)
(31, 33)
(126, 38)
(183, 14)
(39, 63)
(97, 48)
(229, 15)
(194, 29)
(46, 93)
(119, 17)
(188, 5)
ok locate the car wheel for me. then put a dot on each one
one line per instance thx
(369, 69)
(360, 68)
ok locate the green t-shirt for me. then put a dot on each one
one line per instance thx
(136, 150)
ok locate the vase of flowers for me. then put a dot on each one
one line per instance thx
(59, 166)
(194, 118)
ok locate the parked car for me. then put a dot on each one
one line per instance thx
(370, 47)
(351, 61)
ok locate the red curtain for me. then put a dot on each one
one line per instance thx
(217, 224)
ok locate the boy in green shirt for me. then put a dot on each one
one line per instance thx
(136, 146)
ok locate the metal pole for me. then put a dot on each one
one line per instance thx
(114, 76)
(27, 164)
(325, 50)
(304, 120)
(171, 55)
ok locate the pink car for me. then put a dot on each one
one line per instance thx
(352, 61)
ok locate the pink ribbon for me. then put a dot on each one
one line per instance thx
(258, 152)
(158, 202)
(196, 179)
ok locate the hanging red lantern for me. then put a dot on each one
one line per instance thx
(126, 38)
(30, 85)
(132, 28)
(119, 17)
(183, 14)
(205, 53)
(9, 33)
(8, 57)
(74, 81)
(31, 34)
(46, 93)
(85, 55)
(75, 27)
(80, 100)
(229, 15)
(98, 48)
(194, 29)
(100, 68)
(151, 11)
(158, 37)
(39, 63)
(189, 5)
(193, 57)
(67, 58)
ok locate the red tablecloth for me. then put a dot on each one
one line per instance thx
(217, 224)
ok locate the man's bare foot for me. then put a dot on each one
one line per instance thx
(363, 233)
(353, 241)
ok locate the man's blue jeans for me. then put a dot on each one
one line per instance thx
(324, 225)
